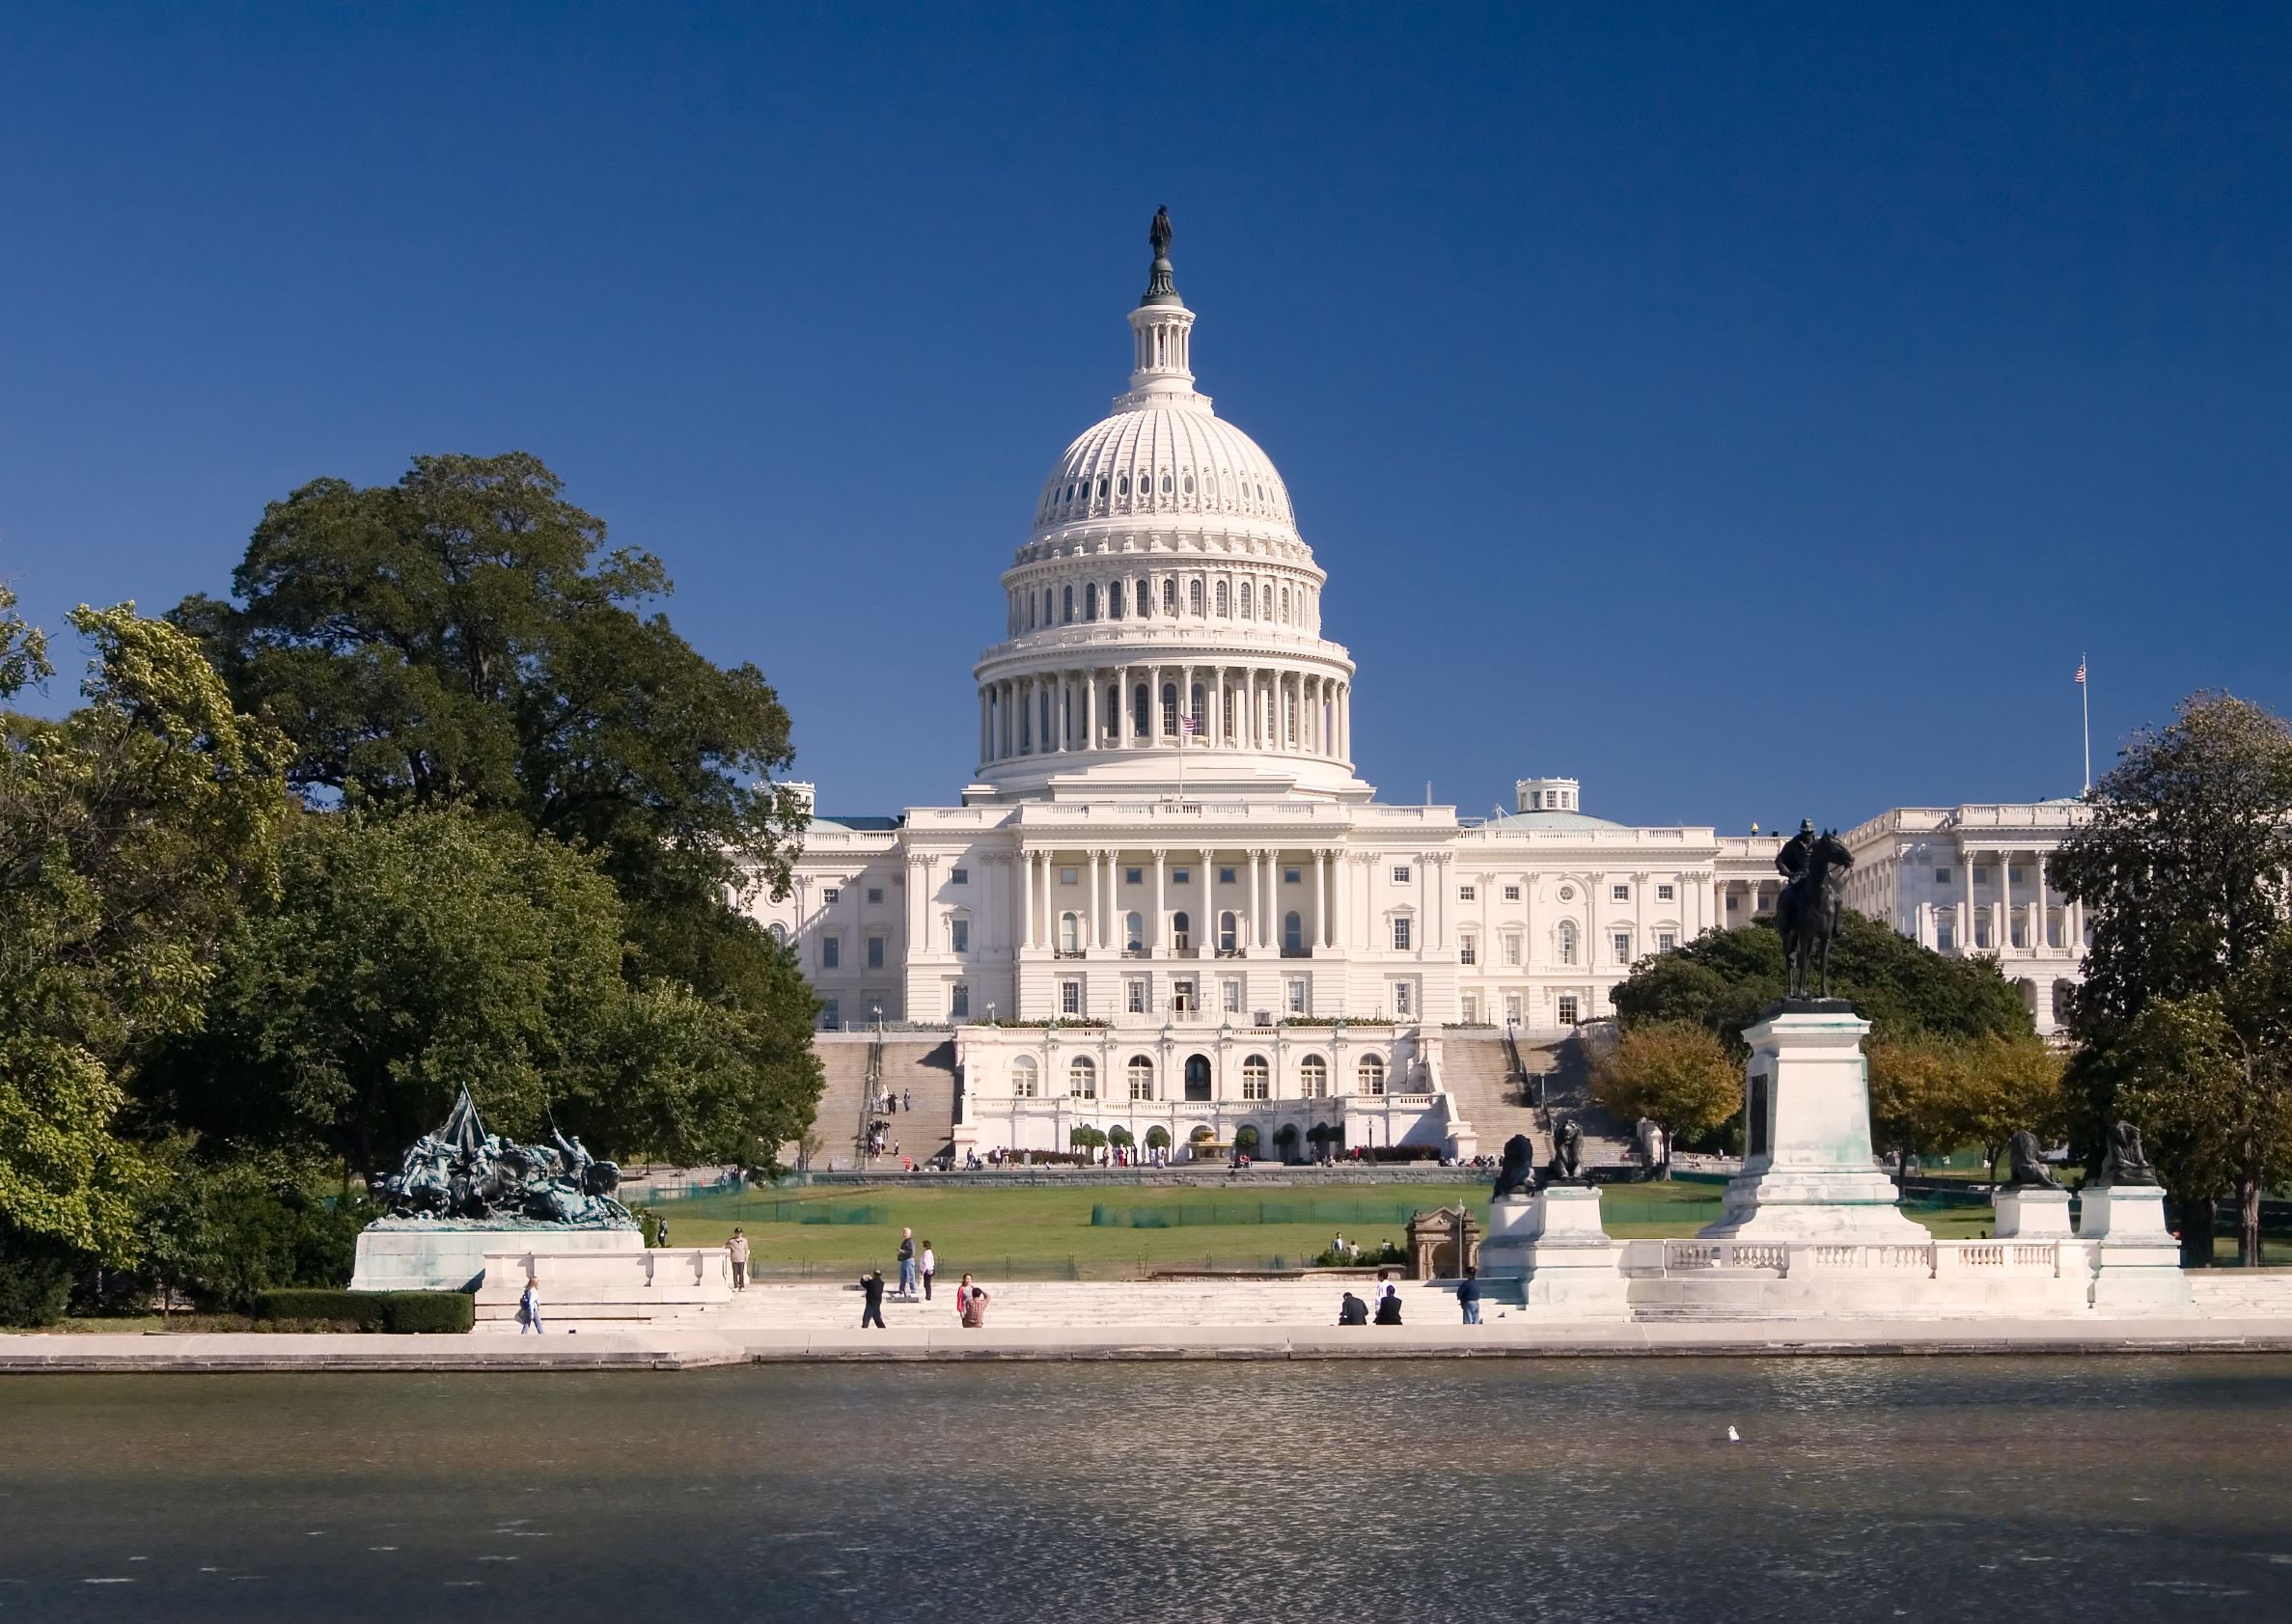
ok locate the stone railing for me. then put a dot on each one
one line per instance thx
(1932, 1258)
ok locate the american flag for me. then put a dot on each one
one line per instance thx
(1187, 724)
(2081, 669)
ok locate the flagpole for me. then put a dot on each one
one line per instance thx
(2084, 694)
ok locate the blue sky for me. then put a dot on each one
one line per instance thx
(1662, 388)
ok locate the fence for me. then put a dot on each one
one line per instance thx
(1068, 1267)
(1194, 1213)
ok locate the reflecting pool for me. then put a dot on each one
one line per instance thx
(1961, 1489)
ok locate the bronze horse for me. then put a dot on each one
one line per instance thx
(1807, 914)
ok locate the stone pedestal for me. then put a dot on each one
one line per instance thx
(2031, 1215)
(1553, 1245)
(2136, 1263)
(454, 1259)
(1808, 1174)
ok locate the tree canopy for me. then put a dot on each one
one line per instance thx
(1678, 1074)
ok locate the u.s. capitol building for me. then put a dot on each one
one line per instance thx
(1167, 899)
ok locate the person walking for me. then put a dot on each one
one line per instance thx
(1468, 1296)
(908, 1264)
(871, 1283)
(529, 1307)
(927, 1266)
(736, 1249)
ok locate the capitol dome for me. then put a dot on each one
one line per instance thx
(1164, 605)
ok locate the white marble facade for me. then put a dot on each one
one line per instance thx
(1164, 833)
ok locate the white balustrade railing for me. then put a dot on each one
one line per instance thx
(1932, 1258)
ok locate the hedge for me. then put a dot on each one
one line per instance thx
(396, 1313)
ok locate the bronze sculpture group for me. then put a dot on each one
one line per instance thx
(462, 1176)
(1517, 1173)
(1806, 913)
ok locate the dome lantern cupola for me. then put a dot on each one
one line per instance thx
(1161, 327)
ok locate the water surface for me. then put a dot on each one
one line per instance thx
(1956, 1489)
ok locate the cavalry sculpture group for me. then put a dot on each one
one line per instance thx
(462, 1175)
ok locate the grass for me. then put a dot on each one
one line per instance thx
(1046, 1232)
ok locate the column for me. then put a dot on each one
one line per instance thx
(1158, 934)
(1026, 930)
(1261, 904)
(1090, 711)
(1095, 927)
(982, 724)
(1320, 897)
(1965, 930)
(1106, 919)
(919, 902)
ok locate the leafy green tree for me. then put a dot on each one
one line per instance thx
(2009, 1083)
(129, 831)
(1917, 1096)
(1678, 1074)
(2183, 868)
(1722, 979)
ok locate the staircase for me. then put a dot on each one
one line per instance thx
(2241, 1293)
(1566, 1068)
(860, 1068)
(1061, 1304)
(1477, 1070)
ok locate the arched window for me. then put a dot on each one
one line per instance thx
(1193, 597)
(1050, 607)
(1021, 1078)
(1198, 707)
(1069, 614)
(1102, 488)
(1029, 611)
(1113, 601)
(1285, 606)
(1228, 932)
(1567, 941)
(1082, 1078)
(1170, 594)
(1091, 602)
(1197, 1076)
(1249, 601)
(1169, 708)
(1225, 601)
(1140, 709)
(1122, 484)
(1134, 933)
(1257, 1079)
(1112, 716)
(1166, 483)
(1181, 932)
(1145, 600)
(1141, 1074)
(1070, 929)
(1371, 1075)
(778, 932)
(1312, 1077)
(1189, 484)
(1265, 598)
(1292, 933)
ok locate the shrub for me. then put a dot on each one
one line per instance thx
(34, 1278)
(222, 1235)
(1157, 1137)
(398, 1312)
(1245, 1140)
(1403, 1154)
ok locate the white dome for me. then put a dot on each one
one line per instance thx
(1164, 456)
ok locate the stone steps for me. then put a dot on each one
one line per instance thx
(2242, 1291)
(1054, 1303)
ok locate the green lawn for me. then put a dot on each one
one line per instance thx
(1047, 1233)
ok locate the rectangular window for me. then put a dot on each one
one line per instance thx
(1256, 1085)
(875, 952)
(1404, 999)
(2014, 875)
(1401, 935)
(1730, 903)
(1233, 997)
(1297, 998)
(1665, 941)
(1512, 893)
(1982, 877)
(1400, 875)
(2016, 933)
(1942, 876)
(1513, 1008)
(1142, 1084)
(1620, 893)
(1134, 876)
(1289, 876)
(831, 952)
(958, 935)
(1567, 1010)
(1465, 893)
(1181, 997)
(958, 1001)
(1134, 997)
(1946, 936)
(831, 1015)
(1067, 876)
(958, 876)
(1512, 949)
(875, 894)
(1623, 947)
(1070, 997)
(1468, 951)
(1666, 893)
(830, 896)
(1981, 930)
(1226, 876)
(1471, 1009)
(1021, 1083)
(1181, 876)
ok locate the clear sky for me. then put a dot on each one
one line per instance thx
(1755, 412)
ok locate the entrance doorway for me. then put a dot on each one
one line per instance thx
(1197, 1076)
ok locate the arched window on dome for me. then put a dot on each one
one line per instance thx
(1170, 594)
(1166, 482)
(1029, 611)
(1189, 484)
(1102, 488)
(1050, 607)
(1285, 606)
(1113, 714)
(1140, 711)
(1249, 601)
(1225, 601)
(1068, 615)
(1091, 602)
(1265, 598)
(1113, 601)
(1122, 484)
(1193, 597)
(1169, 707)
(1198, 707)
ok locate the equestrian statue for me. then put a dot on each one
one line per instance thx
(1806, 913)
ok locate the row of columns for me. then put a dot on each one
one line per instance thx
(1037, 913)
(2001, 909)
(1242, 707)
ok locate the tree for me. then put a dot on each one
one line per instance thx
(2008, 1083)
(1245, 1139)
(1087, 1138)
(1157, 1137)
(1676, 1073)
(1723, 979)
(1917, 1096)
(2183, 868)
(130, 830)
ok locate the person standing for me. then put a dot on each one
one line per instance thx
(908, 1264)
(1468, 1296)
(929, 1265)
(736, 1249)
(529, 1307)
(871, 1283)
